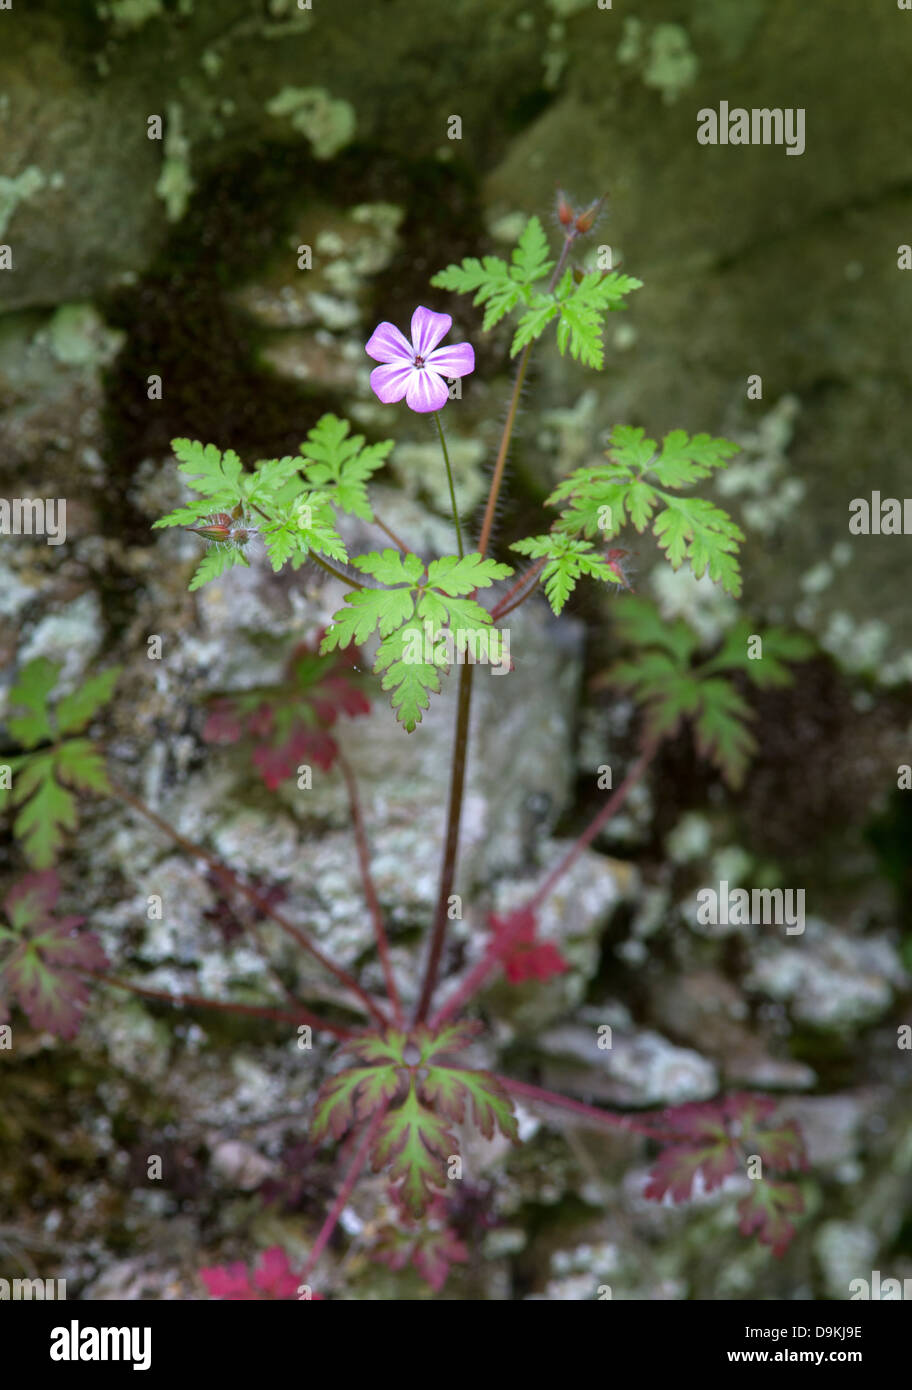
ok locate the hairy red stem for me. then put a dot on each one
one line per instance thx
(451, 844)
(504, 605)
(199, 1001)
(345, 1191)
(577, 1107)
(613, 804)
(492, 956)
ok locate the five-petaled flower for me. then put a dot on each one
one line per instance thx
(416, 369)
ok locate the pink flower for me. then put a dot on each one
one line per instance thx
(416, 369)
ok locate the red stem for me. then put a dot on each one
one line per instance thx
(199, 1001)
(504, 605)
(370, 892)
(351, 1177)
(492, 956)
(589, 1112)
(392, 535)
(614, 803)
(258, 900)
(501, 459)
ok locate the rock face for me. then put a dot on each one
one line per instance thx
(227, 199)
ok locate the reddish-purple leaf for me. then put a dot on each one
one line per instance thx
(272, 1279)
(766, 1212)
(431, 1247)
(46, 956)
(290, 723)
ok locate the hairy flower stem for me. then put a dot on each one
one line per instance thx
(501, 460)
(251, 894)
(199, 1001)
(463, 713)
(370, 892)
(449, 473)
(345, 1191)
(577, 1107)
(492, 956)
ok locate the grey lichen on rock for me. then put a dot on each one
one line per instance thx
(329, 123)
(175, 182)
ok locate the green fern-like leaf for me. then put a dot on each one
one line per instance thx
(665, 676)
(568, 558)
(600, 499)
(44, 778)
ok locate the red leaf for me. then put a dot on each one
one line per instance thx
(676, 1170)
(273, 1279)
(767, 1210)
(781, 1147)
(222, 725)
(44, 953)
(228, 1281)
(523, 955)
(431, 1247)
(290, 722)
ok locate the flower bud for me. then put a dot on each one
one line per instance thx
(215, 528)
(564, 210)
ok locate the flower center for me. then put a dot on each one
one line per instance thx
(419, 361)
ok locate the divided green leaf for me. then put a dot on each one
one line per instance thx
(44, 778)
(425, 608)
(568, 558)
(663, 677)
(422, 1096)
(43, 957)
(600, 499)
(340, 464)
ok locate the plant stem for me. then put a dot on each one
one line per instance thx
(492, 956)
(392, 535)
(370, 892)
(460, 742)
(345, 1191)
(451, 845)
(199, 1001)
(501, 459)
(505, 606)
(317, 559)
(614, 803)
(251, 894)
(577, 1107)
(331, 569)
(449, 472)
